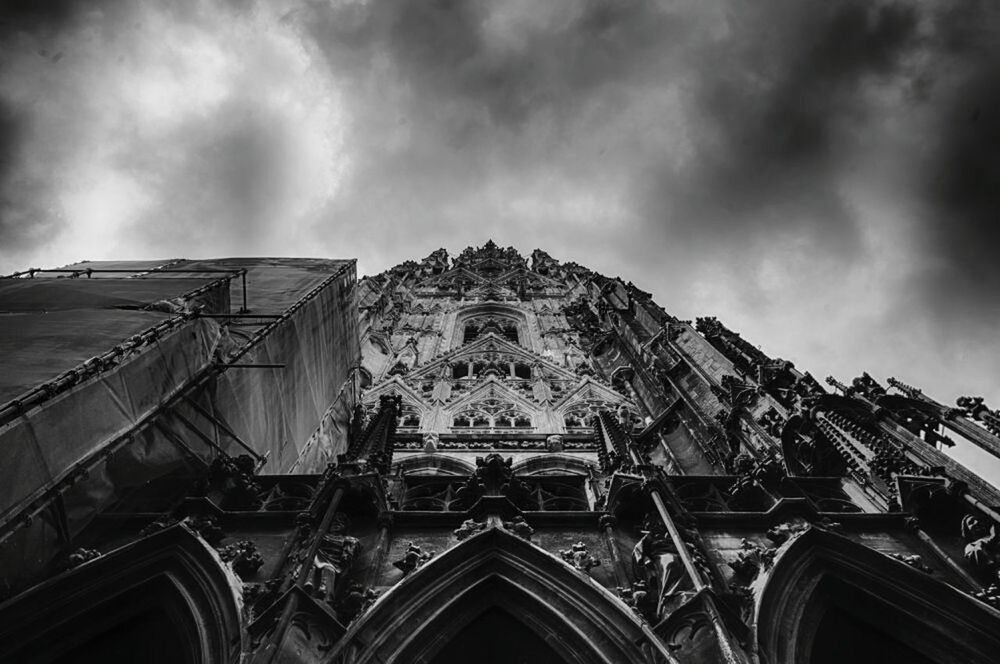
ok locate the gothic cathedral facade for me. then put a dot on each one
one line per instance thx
(537, 463)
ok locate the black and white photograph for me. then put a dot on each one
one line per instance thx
(499, 331)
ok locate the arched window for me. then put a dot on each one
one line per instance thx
(580, 415)
(472, 419)
(483, 325)
(826, 591)
(492, 414)
(162, 598)
(512, 419)
(409, 417)
(449, 605)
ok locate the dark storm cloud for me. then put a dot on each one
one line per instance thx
(773, 95)
(21, 15)
(962, 174)
(12, 127)
(787, 161)
(552, 57)
(780, 100)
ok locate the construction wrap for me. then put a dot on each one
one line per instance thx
(49, 325)
(306, 401)
(42, 446)
(282, 385)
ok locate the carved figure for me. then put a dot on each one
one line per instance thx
(783, 532)
(519, 527)
(639, 599)
(356, 601)
(81, 556)
(469, 528)
(335, 555)
(656, 563)
(579, 557)
(243, 557)
(982, 547)
(751, 560)
(413, 559)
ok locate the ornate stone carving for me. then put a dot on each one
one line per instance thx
(913, 560)
(206, 526)
(258, 596)
(786, 531)
(771, 422)
(234, 478)
(975, 407)
(658, 566)
(867, 387)
(990, 595)
(356, 601)
(639, 599)
(982, 545)
(469, 528)
(243, 557)
(431, 442)
(766, 472)
(554, 443)
(519, 527)
(413, 559)
(751, 560)
(334, 556)
(579, 557)
(81, 556)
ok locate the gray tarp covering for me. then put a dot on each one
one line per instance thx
(40, 447)
(37, 347)
(50, 325)
(66, 294)
(296, 415)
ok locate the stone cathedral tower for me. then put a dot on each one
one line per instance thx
(490, 458)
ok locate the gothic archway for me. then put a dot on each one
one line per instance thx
(162, 599)
(828, 597)
(432, 464)
(494, 578)
(554, 462)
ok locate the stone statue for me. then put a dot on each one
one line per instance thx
(519, 527)
(469, 528)
(982, 547)
(579, 557)
(413, 559)
(656, 563)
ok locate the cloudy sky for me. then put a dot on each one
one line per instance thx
(823, 176)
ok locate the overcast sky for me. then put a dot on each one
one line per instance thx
(823, 176)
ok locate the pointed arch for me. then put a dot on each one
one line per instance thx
(590, 390)
(432, 464)
(493, 344)
(547, 463)
(496, 570)
(824, 588)
(169, 587)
